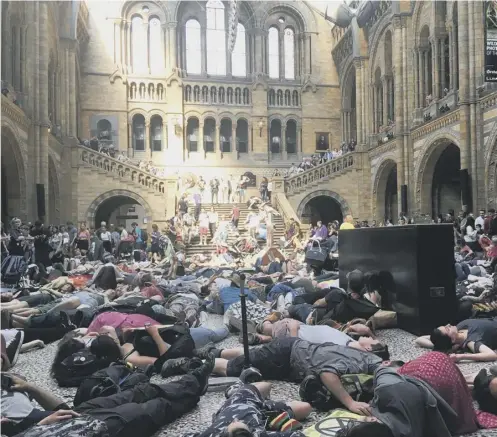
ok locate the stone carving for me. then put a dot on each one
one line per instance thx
(122, 170)
(301, 181)
(343, 51)
(381, 10)
(385, 148)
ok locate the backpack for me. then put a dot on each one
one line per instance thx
(178, 336)
(109, 381)
(77, 367)
(358, 386)
(144, 235)
(13, 267)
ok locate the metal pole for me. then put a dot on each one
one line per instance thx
(243, 297)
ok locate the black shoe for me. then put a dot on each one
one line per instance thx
(203, 372)
(175, 366)
(250, 375)
(14, 347)
(208, 349)
(65, 322)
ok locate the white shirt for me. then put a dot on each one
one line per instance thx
(124, 234)
(479, 221)
(270, 186)
(203, 220)
(105, 236)
(213, 218)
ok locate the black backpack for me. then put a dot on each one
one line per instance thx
(109, 381)
(76, 368)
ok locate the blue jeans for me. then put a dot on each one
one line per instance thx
(201, 336)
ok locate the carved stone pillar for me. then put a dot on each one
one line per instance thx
(201, 138)
(426, 73)
(130, 140)
(385, 88)
(233, 138)
(217, 141)
(358, 101)
(435, 67)
(128, 45)
(148, 143)
(172, 46)
(203, 42)
(283, 142)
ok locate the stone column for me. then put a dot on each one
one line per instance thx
(203, 44)
(426, 64)
(43, 122)
(217, 141)
(464, 89)
(443, 84)
(416, 77)
(17, 63)
(250, 145)
(128, 45)
(385, 86)
(130, 140)
(298, 146)
(117, 42)
(122, 28)
(7, 48)
(258, 34)
(72, 94)
(233, 138)
(148, 143)
(283, 142)
(358, 100)
(201, 138)
(435, 67)
(172, 46)
(307, 58)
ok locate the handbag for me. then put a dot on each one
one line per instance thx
(316, 256)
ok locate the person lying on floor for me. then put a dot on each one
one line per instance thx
(140, 411)
(403, 406)
(445, 377)
(484, 386)
(107, 347)
(293, 359)
(78, 300)
(248, 411)
(125, 322)
(318, 334)
(479, 336)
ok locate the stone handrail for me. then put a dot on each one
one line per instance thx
(286, 210)
(322, 171)
(123, 170)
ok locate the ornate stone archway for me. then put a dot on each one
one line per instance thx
(344, 206)
(380, 185)
(14, 166)
(93, 208)
(434, 147)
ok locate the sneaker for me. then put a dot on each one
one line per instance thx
(208, 349)
(250, 375)
(203, 372)
(14, 347)
(236, 323)
(291, 425)
(175, 366)
(253, 339)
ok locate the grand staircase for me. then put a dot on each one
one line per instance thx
(224, 209)
(110, 173)
(316, 176)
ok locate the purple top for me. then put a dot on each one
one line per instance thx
(322, 232)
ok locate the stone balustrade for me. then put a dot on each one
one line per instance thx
(302, 180)
(123, 170)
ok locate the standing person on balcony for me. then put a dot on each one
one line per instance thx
(263, 189)
(269, 190)
(213, 221)
(214, 184)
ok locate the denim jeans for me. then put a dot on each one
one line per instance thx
(201, 336)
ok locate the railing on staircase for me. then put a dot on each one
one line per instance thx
(300, 181)
(123, 170)
(283, 206)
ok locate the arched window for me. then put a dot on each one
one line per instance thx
(295, 98)
(238, 96)
(291, 137)
(289, 46)
(156, 133)
(221, 95)
(196, 94)
(242, 136)
(213, 95)
(246, 96)
(188, 93)
(209, 134)
(288, 100)
(104, 130)
(139, 132)
(192, 127)
(205, 94)
(272, 98)
(216, 38)
(229, 96)
(226, 133)
(274, 53)
(156, 54)
(275, 134)
(279, 98)
(193, 47)
(138, 39)
(238, 57)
